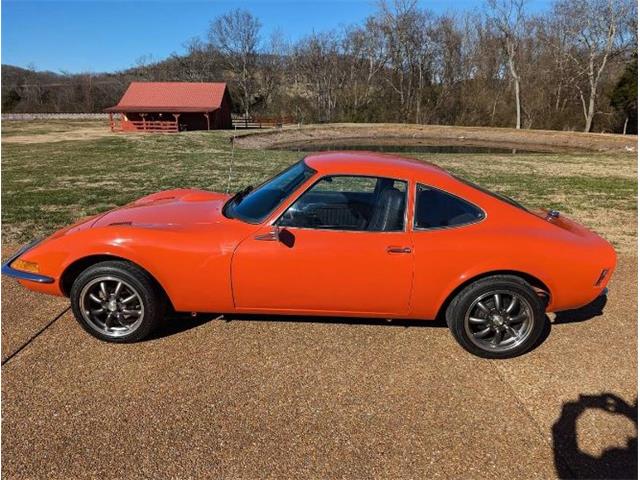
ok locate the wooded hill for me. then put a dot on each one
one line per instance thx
(570, 68)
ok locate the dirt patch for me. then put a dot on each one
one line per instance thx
(416, 135)
(77, 134)
(617, 227)
(623, 166)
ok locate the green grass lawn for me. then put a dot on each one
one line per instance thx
(48, 184)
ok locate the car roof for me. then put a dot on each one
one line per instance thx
(370, 163)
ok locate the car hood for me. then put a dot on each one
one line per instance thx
(182, 208)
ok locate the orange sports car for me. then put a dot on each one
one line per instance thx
(336, 234)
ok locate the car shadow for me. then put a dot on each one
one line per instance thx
(438, 323)
(614, 462)
(177, 322)
(592, 310)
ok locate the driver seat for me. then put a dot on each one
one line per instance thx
(388, 211)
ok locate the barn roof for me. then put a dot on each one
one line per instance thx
(170, 97)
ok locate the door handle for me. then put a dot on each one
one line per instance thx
(399, 250)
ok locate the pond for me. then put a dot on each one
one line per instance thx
(322, 147)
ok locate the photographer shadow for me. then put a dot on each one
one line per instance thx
(613, 463)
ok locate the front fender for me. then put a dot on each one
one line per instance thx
(193, 270)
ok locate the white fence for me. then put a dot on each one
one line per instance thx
(55, 116)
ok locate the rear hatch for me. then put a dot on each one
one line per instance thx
(556, 218)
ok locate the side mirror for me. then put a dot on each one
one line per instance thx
(272, 236)
(278, 234)
(276, 231)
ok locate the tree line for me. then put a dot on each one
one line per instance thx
(572, 67)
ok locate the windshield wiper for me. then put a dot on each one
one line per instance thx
(240, 194)
(237, 198)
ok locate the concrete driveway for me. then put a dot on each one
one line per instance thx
(266, 397)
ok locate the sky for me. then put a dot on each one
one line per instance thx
(103, 36)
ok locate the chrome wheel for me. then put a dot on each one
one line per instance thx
(499, 320)
(111, 306)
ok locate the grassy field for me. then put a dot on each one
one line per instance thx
(58, 171)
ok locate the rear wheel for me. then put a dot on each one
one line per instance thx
(497, 317)
(117, 302)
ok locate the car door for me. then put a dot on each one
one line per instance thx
(342, 247)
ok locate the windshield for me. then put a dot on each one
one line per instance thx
(253, 206)
(499, 196)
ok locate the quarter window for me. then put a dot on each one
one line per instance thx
(347, 202)
(438, 209)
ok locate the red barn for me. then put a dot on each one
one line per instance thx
(172, 106)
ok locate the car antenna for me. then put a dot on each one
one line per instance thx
(233, 151)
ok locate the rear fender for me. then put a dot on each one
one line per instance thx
(496, 268)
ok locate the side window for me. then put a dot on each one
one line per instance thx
(438, 209)
(355, 203)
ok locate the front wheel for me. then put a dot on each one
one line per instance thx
(116, 301)
(497, 317)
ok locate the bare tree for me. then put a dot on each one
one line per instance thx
(596, 31)
(365, 47)
(410, 52)
(403, 63)
(237, 36)
(272, 65)
(319, 60)
(508, 17)
(200, 64)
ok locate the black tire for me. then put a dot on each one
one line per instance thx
(464, 317)
(149, 302)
